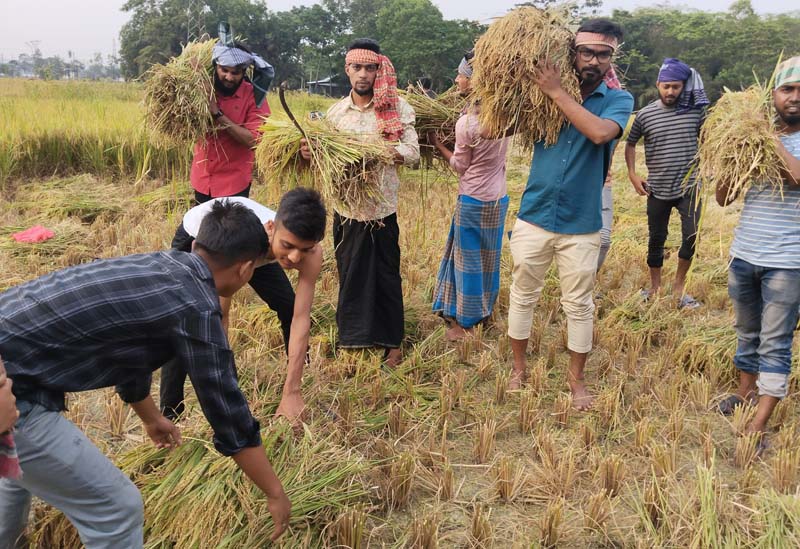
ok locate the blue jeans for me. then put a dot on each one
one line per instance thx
(765, 301)
(62, 467)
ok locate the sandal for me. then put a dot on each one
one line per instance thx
(689, 303)
(727, 406)
(761, 446)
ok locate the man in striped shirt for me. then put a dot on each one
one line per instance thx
(764, 275)
(670, 127)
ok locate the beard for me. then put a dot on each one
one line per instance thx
(788, 119)
(222, 90)
(591, 76)
(364, 92)
(669, 101)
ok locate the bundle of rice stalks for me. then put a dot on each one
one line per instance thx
(83, 197)
(196, 484)
(345, 168)
(438, 115)
(506, 57)
(738, 144)
(176, 95)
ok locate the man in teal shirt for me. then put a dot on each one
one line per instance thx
(560, 213)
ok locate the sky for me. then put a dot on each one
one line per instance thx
(89, 26)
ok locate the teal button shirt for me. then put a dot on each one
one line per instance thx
(564, 190)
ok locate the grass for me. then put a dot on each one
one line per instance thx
(651, 466)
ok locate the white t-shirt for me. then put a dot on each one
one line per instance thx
(195, 216)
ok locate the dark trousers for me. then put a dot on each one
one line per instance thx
(658, 212)
(199, 197)
(272, 286)
(370, 308)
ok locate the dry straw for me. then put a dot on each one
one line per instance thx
(738, 143)
(506, 59)
(176, 95)
(345, 167)
(435, 114)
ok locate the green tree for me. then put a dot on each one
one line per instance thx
(420, 42)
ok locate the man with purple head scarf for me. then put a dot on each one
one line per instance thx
(670, 127)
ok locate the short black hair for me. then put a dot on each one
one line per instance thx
(364, 44)
(469, 55)
(425, 82)
(302, 213)
(230, 233)
(606, 27)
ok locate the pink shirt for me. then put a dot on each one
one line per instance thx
(221, 165)
(480, 163)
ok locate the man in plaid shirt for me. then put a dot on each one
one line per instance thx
(112, 323)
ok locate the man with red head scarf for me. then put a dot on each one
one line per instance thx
(366, 236)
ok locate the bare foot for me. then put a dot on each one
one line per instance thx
(457, 333)
(581, 399)
(516, 380)
(393, 357)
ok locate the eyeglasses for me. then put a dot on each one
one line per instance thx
(371, 67)
(587, 54)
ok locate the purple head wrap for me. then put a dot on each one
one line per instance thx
(673, 70)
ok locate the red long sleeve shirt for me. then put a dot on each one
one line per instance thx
(222, 166)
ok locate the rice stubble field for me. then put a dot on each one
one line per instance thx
(435, 453)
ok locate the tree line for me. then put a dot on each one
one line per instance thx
(729, 49)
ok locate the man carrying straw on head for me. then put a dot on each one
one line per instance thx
(367, 238)
(469, 274)
(559, 217)
(112, 323)
(670, 127)
(764, 275)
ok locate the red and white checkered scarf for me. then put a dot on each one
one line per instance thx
(385, 97)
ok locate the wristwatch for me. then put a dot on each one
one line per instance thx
(217, 114)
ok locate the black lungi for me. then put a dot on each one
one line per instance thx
(370, 308)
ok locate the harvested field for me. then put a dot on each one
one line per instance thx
(437, 453)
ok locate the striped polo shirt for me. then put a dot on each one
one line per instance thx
(768, 234)
(670, 145)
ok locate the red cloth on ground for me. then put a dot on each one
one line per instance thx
(36, 233)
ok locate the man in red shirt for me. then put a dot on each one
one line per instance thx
(223, 162)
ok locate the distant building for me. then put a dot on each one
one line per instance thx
(333, 86)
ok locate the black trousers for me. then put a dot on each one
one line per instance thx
(658, 213)
(370, 308)
(272, 286)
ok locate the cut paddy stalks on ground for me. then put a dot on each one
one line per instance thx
(505, 63)
(194, 483)
(176, 95)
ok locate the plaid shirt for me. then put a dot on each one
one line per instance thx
(115, 321)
